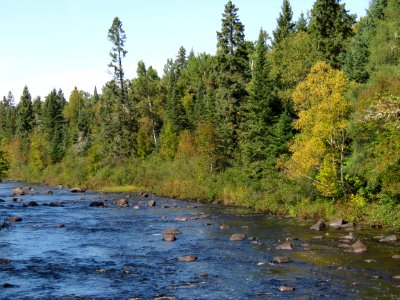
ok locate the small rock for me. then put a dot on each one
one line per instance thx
(202, 274)
(187, 258)
(359, 247)
(396, 256)
(337, 224)
(32, 203)
(285, 246)
(318, 237)
(350, 236)
(8, 285)
(347, 246)
(390, 238)
(224, 227)
(376, 277)
(59, 226)
(281, 259)
(171, 230)
(245, 227)
(285, 288)
(169, 238)
(96, 204)
(123, 202)
(136, 207)
(370, 260)
(396, 277)
(48, 192)
(77, 190)
(151, 203)
(238, 237)
(14, 219)
(379, 237)
(17, 200)
(320, 225)
(165, 206)
(19, 191)
(182, 219)
(2, 200)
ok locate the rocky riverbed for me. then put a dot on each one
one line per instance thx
(58, 243)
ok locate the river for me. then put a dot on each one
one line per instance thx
(70, 250)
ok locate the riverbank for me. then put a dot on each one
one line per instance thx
(186, 178)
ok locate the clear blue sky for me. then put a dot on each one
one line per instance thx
(50, 44)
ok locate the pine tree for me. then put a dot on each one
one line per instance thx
(331, 26)
(285, 24)
(8, 118)
(301, 24)
(24, 121)
(357, 55)
(261, 111)
(117, 36)
(37, 113)
(232, 76)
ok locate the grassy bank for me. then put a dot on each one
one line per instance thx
(186, 178)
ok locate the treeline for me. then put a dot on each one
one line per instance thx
(303, 122)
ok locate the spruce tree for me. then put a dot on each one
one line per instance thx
(24, 121)
(285, 24)
(331, 26)
(301, 24)
(37, 113)
(232, 75)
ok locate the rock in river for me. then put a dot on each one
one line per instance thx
(171, 230)
(359, 247)
(337, 224)
(14, 219)
(169, 238)
(281, 259)
(285, 246)
(320, 225)
(237, 237)
(187, 258)
(32, 203)
(96, 204)
(77, 190)
(151, 203)
(390, 238)
(285, 288)
(123, 202)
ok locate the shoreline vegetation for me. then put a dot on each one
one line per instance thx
(303, 123)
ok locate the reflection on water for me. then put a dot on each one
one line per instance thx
(75, 251)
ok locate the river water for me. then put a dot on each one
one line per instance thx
(75, 251)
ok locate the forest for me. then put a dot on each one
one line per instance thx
(304, 122)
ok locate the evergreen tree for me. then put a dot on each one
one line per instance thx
(261, 111)
(331, 26)
(4, 166)
(301, 24)
(357, 55)
(285, 24)
(117, 36)
(25, 115)
(53, 125)
(37, 112)
(8, 118)
(231, 77)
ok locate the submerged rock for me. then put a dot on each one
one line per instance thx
(237, 237)
(14, 219)
(49, 192)
(32, 203)
(169, 238)
(182, 219)
(285, 288)
(123, 202)
(96, 204)
(320, 225)
(151, 203)
(337, 224)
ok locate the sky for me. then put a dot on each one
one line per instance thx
(61, 44)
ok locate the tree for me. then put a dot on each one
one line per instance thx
(4, 166)
(358, 51)
(232, 77)
(37, 113)
(285, 24)
(301, 24)
(117, 36)
(318, 150)
(8, 118)
(260, 112)
(53, 125)
(331, 27)
(24, 121)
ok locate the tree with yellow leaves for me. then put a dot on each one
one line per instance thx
(318, 149)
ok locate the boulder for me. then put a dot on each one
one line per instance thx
(96, 204)
(77, 190)
(20, 191)
(281, 259)
(237, 237)
(14, 219)
(396, 277)
(350, 236)
(285, 288)
(396, 256)
(171, 230)
(337, 224)
(49, 192)
(390, 238)
(320, 225)
(359, 247)
(202, 274)
(32, 203)
(151, 203)
(169, 238)
(123, 202)
(285, 246)
(182, 219)
(17, 200)
(187, 258)
(2, 200)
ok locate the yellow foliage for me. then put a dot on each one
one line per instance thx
(322, 121)
(187, 145)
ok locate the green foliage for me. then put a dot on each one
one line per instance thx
(24, 121)
(285, 24)
(4, 165)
